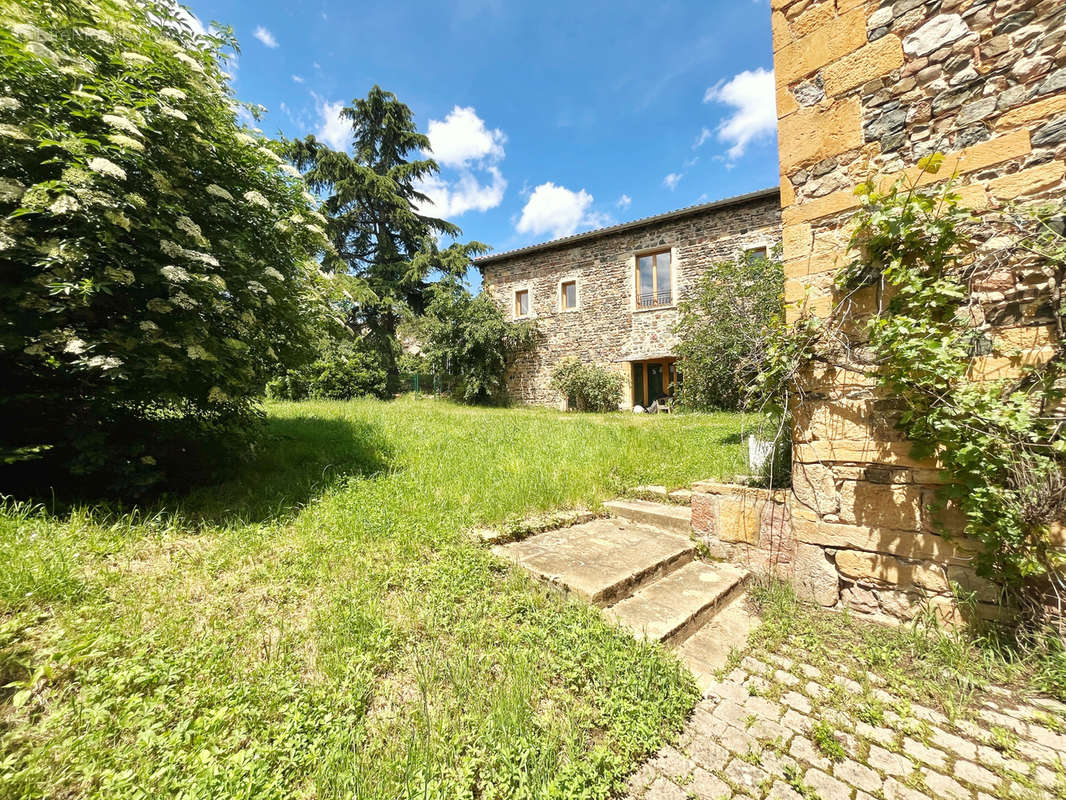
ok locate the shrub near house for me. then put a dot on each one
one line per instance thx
(158, 259)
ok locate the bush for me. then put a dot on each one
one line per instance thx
(342, 371)
(587, 387)
(720, 329)
(157, 260)
(469, 340)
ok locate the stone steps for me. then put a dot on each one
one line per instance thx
(674, 607)
(670, 517)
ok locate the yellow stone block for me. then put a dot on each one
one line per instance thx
(797, 241)
(828, 205)
(822, 46)
(994, 368)
(811, 134)
(905, 544)
(878, 58)
(779, 27)
(973, 196)
(786, 103)
(1028, 181)
(813, 18)
(859, 451)
(788, 194)
(1008, 340)
(1034, 112)
(738, 519)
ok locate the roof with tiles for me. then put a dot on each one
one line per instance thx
(566, 241)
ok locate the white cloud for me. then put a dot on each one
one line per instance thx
(462, 138)
(297, 79)
(624, 201)
(672, 180)
(558, 211)
(705, 134)
(752, 96)
(334, 130)
(265, 36)
(452, 199)
(190, 19)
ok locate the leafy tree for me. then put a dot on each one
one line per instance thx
(720, 328)
(157, 260)
(589, 387)
(343, 370)
(469, 341)
(379, 234)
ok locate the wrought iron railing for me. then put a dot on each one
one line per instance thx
(650, 299)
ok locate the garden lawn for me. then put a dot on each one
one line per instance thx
(324, 625)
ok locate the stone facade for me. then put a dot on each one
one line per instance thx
(869, 88)
(607, 327)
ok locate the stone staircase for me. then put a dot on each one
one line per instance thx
(641, 566)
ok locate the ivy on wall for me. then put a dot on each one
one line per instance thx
(918, 253)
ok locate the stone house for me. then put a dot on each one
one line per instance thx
(610, 296)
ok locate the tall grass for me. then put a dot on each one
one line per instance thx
(324, 626)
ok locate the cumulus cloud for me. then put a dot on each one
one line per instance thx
(265, 36)
(705, 134)
(333, 129)
(558, 211)
(462, 138)
(466, 193)
(672, 180)
(751, 95)
(624, 201)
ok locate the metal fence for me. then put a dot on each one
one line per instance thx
(423, 383)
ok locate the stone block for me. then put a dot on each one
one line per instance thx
(937, 32)
(865, 503)
(1033, 112)
(814, 486)
(825, 206)
(814, 578)
(906, 544)
(821, 46)
(812, 134)
(796, 242)
(871, 61)
(1028, 181)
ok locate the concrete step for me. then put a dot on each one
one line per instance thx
(667, 516)
(674, 607)
(707, 650)
(603, 560)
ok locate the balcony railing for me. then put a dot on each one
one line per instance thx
(652, 299)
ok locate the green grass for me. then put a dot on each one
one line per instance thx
(323, 626)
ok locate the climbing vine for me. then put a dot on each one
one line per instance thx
(922, 260)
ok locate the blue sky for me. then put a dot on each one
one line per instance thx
(547, 117)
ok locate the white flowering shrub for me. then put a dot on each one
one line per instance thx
(158, 264)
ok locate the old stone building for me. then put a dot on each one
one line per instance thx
(610, 296)
(868, 88)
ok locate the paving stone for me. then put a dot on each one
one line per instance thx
(1049, 704)
(827, 788)
(978, 776)
(727, 690)
(763, 708)
(804, 750)
(707, 725)
(732, 713)
(795, 721)
(776, 763)
(1046, 738)
(1037, 752)
(1049, 779)
(642, 778)
(766, 730)
(798, 702)
(816, 690)
(953, 744)
(754, 666)
(811, 672)
(673, 764)
(858, 775)
(929, 715)
(780, 661)
(941, 786)
(708, 754)
(737, 676)
(706, 786)
(991, 757)
(852, 686)
(884, 736)
(786, 678)
(894, 790)
(737, 741)
(889, 763)
(745, 776)
(662, 789)
(782, 791)
(929, 756)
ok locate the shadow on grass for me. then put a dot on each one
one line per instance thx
(296, 460)
(733, 438)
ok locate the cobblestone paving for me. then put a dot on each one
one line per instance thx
(768, 731)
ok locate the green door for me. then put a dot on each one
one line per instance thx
(655, 382)
(638, 384)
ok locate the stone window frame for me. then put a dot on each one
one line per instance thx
(748, 247)
(675, 270)
(574, 279)
(516, 290)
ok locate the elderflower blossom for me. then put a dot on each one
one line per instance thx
(75, 346)
(149, 327)
(182, 300)
(135, 58)
(98, 34)
(122, 123)
(195, 351)
(244, 138)
(9, 104)
(13, 132)
(119, 219)
(266, 151)
(218, 191)
(105, 167)
(64, 204)
(87, 96)
(172, 93)
(273, 273)
(41, 51)
(256, 286)
(256, 199)
(290, 170)
(158, 305)
(34, 350)
(6, 242)
(104, 362)
(10, 190)
(126, 141)
(173, 112)
(31, 32)
(174, 274)
(203, 258)
(189, 61)
(186, 225)
(171, 249)
(216, 395)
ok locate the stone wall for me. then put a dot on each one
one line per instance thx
(869, 88)
(607, 328)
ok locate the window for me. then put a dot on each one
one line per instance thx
(653, 280)
(754, 254)
(521, 303)
(568, 295)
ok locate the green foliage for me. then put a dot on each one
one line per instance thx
(157, 260)
(587, 387)
(998, 443)
(825, 740)
(720, 330)
(197, 651)
(343, 370)
(469, 340)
